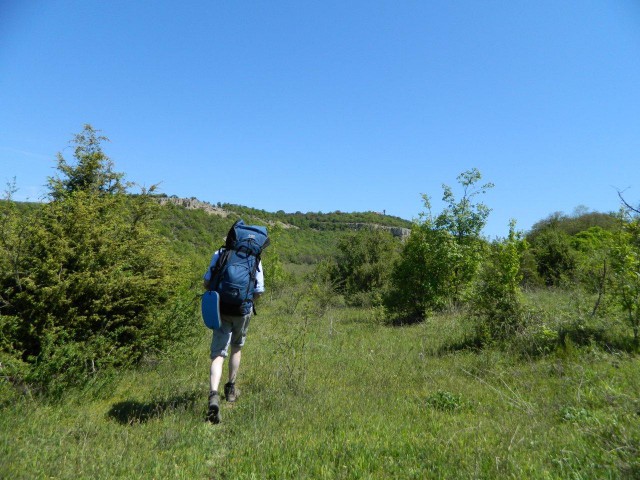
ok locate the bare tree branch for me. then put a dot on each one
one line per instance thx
(624, 202)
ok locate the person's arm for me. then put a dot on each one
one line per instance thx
(259, 290)
(207, 275)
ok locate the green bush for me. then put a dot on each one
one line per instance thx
(84, 278)
(363, 265)
(555, 257)
(496, 301)
(445, 401)
(423, 279)
(442, 254)
(626, 274)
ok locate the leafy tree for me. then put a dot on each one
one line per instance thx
(92, 172)
(581, 219)
(463, 219)
(86, 292)
(442, 254)
(593, 263)
(363, 265)
(423, 278)
(554, 255)
(496, 302)
(275, 275)
(626, 273)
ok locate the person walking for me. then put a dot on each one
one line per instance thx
(229, 339)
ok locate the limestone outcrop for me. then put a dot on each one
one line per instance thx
(194, 204)
(398, 232)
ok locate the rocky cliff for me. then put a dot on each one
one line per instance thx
(194, 204)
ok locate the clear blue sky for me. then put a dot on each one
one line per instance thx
(332, 105)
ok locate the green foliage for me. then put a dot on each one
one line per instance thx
(442, 254)
(560, 242)
(593, 264)
(579, 221)
(529, 268)
(306, 246)
(92, 172)
(423, 280)
(85, 274)
(275, 275)
(626, 274)
(445, 401)
(496, 302)
(463, 219)
(554, 255)
(363, 265)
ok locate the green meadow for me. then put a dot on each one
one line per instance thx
(336, 392)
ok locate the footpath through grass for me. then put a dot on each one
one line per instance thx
(342, 396)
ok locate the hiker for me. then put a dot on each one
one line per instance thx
(235, 267)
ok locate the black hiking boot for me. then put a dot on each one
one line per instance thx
(213, 415)
(231, 393)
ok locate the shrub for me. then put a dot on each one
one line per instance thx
(86, 277)
(445, 401)
(626, 274)
(363, 265)
(496, 302)
(554, 255)
(442, 254)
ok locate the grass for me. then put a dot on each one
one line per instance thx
(342, 395)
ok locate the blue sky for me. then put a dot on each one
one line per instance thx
(332, 105)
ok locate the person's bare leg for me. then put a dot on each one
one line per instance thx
(215, 373)
(234, 363)
(230, 391)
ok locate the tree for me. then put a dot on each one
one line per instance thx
(626, 272)
(275, 275)
(423, 278)
(92, 277)
(363, 265)
(463, 219)
(92, 172)
(496, 301)
(593, 263)
(554, 255)
(443, 252)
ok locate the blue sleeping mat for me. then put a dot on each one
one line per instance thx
(211, 309)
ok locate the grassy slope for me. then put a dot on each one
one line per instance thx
(196, 234)
(337, 396)
(342, 397)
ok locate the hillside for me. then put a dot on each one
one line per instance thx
(299, 238)
(317, 221)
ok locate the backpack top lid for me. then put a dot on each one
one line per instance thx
(250, 238)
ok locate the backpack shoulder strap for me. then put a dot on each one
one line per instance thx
(223, 256)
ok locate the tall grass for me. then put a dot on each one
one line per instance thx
(340, 394)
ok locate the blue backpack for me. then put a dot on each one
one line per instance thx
(234, 274)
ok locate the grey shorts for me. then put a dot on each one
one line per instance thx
(232, 332)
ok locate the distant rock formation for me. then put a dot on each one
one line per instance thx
(194, 204)
(399, 232)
